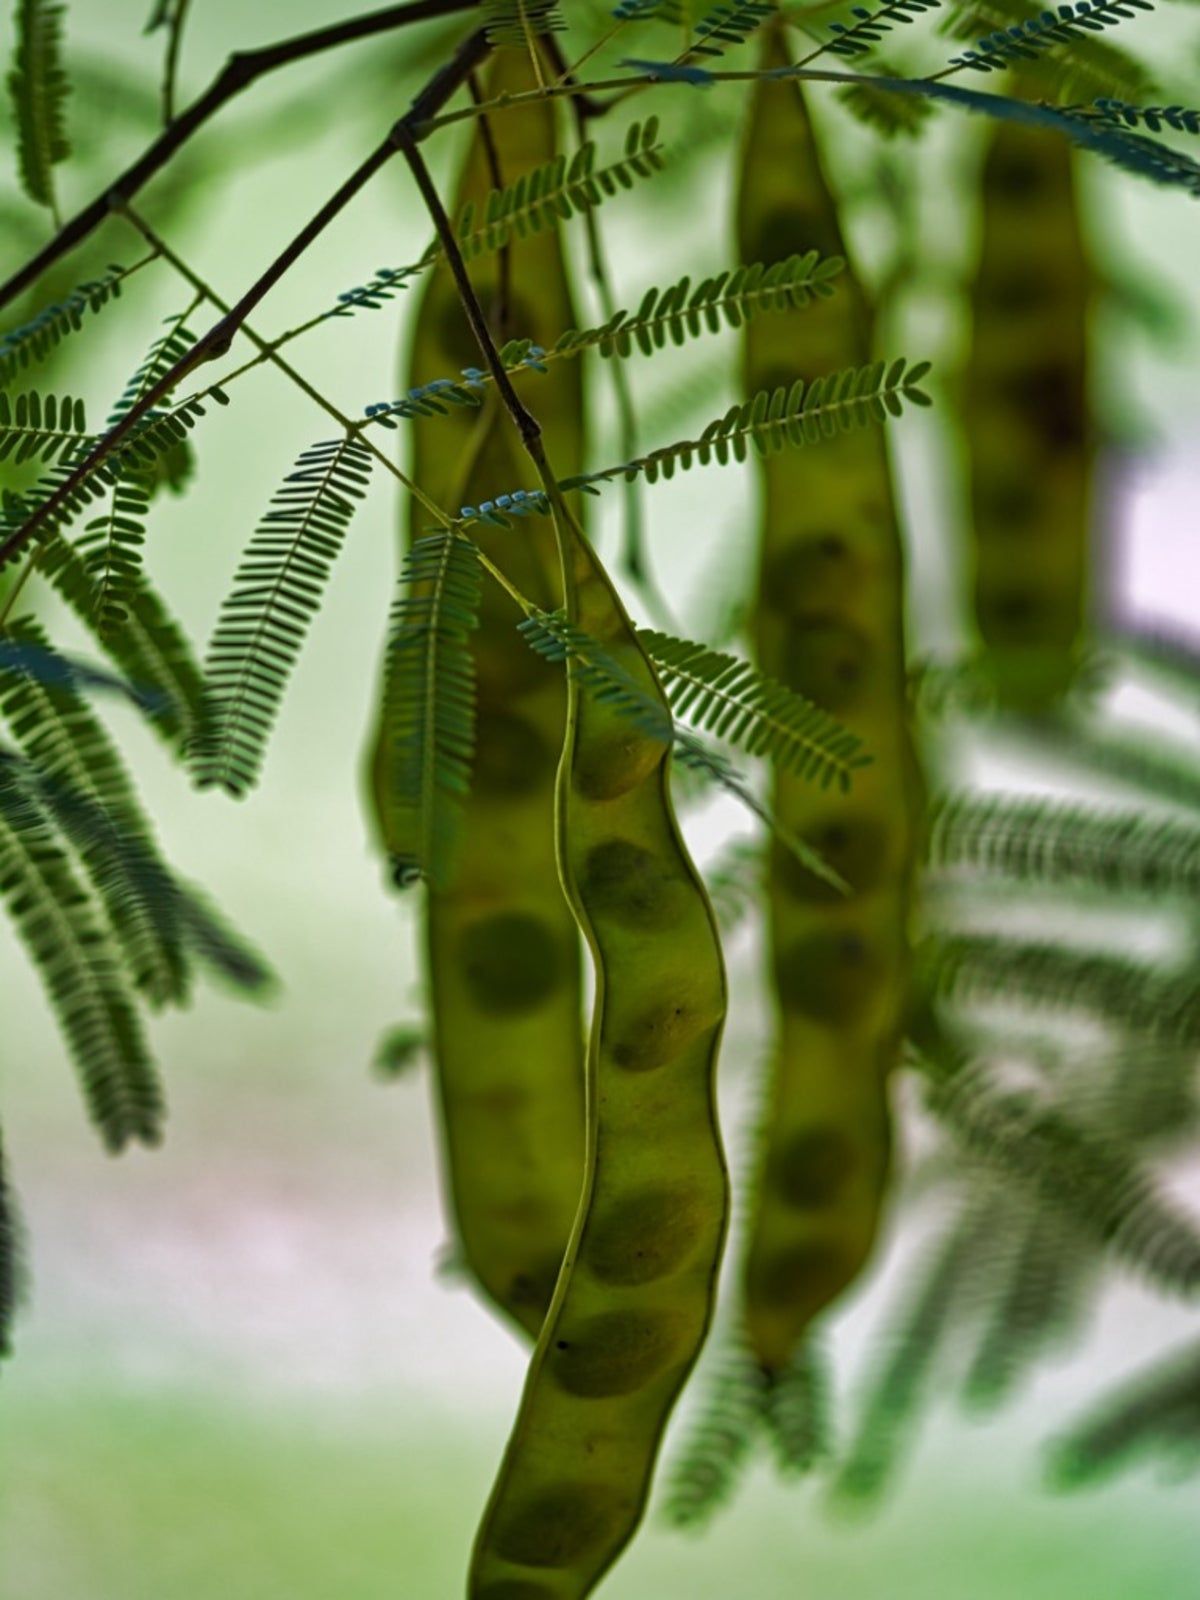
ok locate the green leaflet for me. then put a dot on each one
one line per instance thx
(429, 702)
(38, 87)
(53, 917)
(277, 590)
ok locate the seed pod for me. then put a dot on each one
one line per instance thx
(828, 622)
(1030, 438)
(502, 947)
(633, 1304)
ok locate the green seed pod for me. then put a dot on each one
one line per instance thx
(1030, 438)
(502, 946)
(828, 623)
(633, 1304)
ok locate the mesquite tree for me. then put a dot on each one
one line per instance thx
(534, 748)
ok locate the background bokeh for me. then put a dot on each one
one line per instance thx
(241, 1375)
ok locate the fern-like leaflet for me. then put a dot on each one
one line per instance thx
(730, 698)
(677, 313)
(729, 24)
(34, 340)
(854, 39)
(979, 968)
(519, 22)
(38, 88)
(1118, 113)
(74, 758)
(112, 543)
(776, 419)
(1042, 842)
(555, 192)
(1025, 41)
(1156, 1413)
(36, 427)
(718, 1442)
(558, 640)
(54, 918)
(1098, 1183)
(429, 701)
(277, 590)
(681, 312)
(9, 1266)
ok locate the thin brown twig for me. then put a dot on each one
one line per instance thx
(217, 340)
(241, 70)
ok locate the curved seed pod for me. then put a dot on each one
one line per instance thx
(1029, 431)
(828, 622)
(634, 1301)
(503, 955)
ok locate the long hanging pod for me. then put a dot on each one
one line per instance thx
(828, 623)
(1030, 438)
(634, 1301)
(503, 956)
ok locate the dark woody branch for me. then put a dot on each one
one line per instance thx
(216, 341)
(241, 70)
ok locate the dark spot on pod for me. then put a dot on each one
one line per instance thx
(609, 767)
(855, 846)
(457, 339)
(1017, 171)
(1002, 496)
(515, 1589)
(646, 1236)
(454, 335)
(511, 757)
(617, 1352)
(559, 1527)
(511, 962)
(1052, 398)
(816, 573)
(533, 1289)
(660, 1035)
(1024, 616)
(623, 882)
(1018, 289)
(826, 660)
(827, 976)
(792, 231)
(811, 1167)
(802, 1278)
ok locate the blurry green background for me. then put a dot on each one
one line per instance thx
(240, 1376)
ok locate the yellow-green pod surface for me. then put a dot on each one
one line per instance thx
(633, 1304)
(1030, 442)
(503, 951)
(828, 623)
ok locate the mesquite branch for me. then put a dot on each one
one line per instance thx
(217, 340)
(239, 72)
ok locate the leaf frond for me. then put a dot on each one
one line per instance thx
(858, 38)
(715, 1448)
(556, 639)
(517, 23)
(1154, 1414)
(277, 591)
(1135, 995)
(33, 341)
(1099, 1185)
(773, 420)
(429, 702)
(38, 88)
(54, 918)
(1025, 41)
(36, 427)
(1043, 842)
(727, 696)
